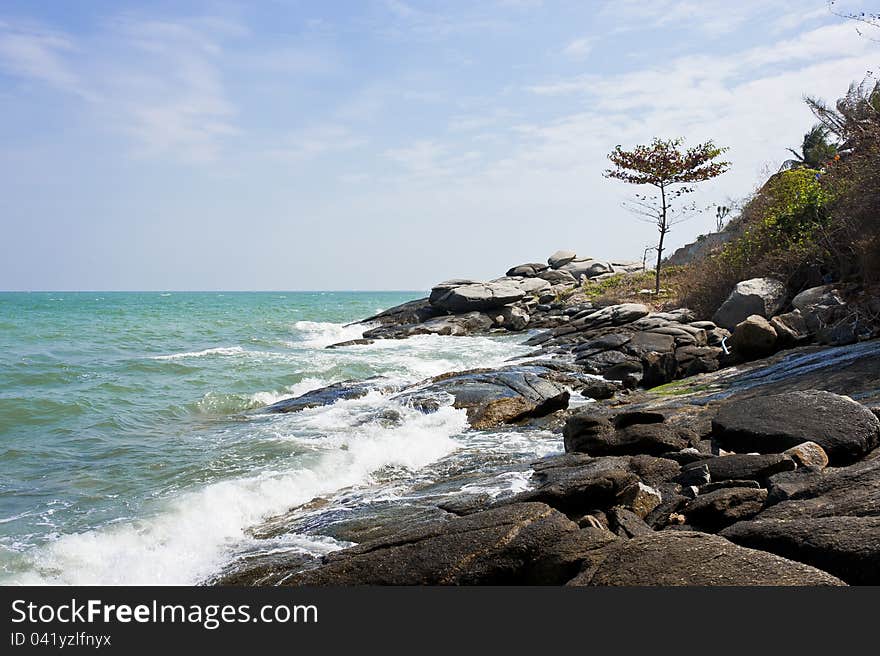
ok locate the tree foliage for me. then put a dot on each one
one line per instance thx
(816, 150)
(673, 171)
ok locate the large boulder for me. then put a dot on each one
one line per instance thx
(528, 270)
(586, 268)
(475, 296)
(515, 544)
(847, 547)
(561, 258)
(844, 428)
(555, 277)
(491, 398)
(754, 338)
(790, 328)
(761, 296)
(531, 286)
(411, 312)
(688, 558)
(824, 296)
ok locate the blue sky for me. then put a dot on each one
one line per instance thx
(377, 144)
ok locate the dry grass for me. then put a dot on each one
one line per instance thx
(629, 288)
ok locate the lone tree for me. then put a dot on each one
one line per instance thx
(664, 165)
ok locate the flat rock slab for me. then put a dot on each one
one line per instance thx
(475, 296)
(689, 558)
(741, 466)
(844, 428)
(847, 547)
(524, 543)
(852, 491)
(725, 506)
(349, 389)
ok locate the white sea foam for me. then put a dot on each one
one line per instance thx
(222, 350)
(297, 389)
(189, 537)
(318, 334)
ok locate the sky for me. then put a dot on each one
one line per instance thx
(377, 144)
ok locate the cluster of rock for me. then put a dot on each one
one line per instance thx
(491, 397)
(630, 344)
(525, 297)
(653, 498)
(753, 312)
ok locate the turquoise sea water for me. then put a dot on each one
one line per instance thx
(132, 448)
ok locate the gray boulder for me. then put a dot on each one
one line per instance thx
(560, 258)
(555, 277)
(809, 299)
(761, 296)
(474, 296)
(528, 270)
(742, 466)
(586, 268)
(845, 429)
(688, 558)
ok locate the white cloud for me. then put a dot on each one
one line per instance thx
(579, 48)
(39, 54)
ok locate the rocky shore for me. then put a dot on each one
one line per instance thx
(736, 449)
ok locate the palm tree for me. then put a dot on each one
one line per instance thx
(816, 150)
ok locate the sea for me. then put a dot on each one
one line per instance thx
(135, 449)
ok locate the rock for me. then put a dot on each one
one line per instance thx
(851, 491)
(557, 277)
(475, 296)
(744, 466)
(725, 506)
(441, 289)
(761, 296)
(847, 547)
(688, 558)
(808, 454)
(531, 286)
(649, 439)
(467, 323)
(845, 429)
(493, 397)
(523, 543)
(640, 498)
(577, 484)
(466, 504)
(824, 296)
(625, 523)
(754, 338)
(584, 429)
(598, 388)
(351, 342)
(693, 360)
(695, 474)
(560, 258)
(348, 389)
(791, 328)
(529, 270)
(512, 318)
(585, 268)
(411, 312)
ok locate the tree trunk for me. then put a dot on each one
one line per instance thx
(663, 230)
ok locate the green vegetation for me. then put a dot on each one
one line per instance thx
(819, 220)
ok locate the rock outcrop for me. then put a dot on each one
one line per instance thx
(761, 296)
